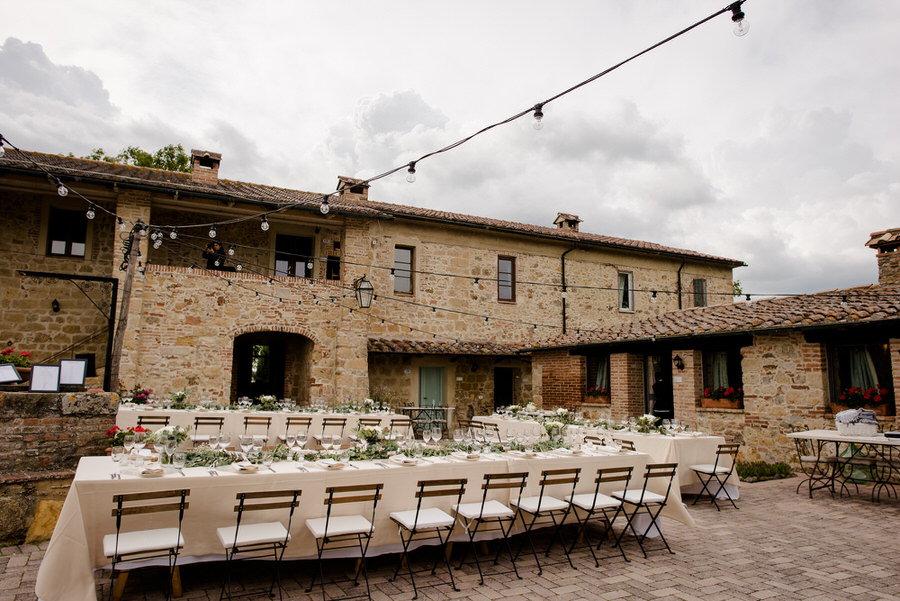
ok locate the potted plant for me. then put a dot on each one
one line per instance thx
(723, 397)
(22, 361)
(873, 397)
(597, 394)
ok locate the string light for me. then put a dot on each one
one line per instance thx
(174, 233)
(741, 27)
(212, 231)
(538, 116)
(91, 213)
(324, 208)
(231, 250)
(264, 224)
(653, 297)
(122, 226)
(2, 150)
(411, 172)
(61, 189)
(240, 266)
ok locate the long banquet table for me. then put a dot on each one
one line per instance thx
(684, 449)
(234, 419)
(75, 550)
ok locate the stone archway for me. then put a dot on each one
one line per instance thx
(275, 361)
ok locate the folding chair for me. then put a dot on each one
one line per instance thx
(464, 424)
(301, 421)
(546, 509)
(707, 472)
(153, 420)
(404, 424)
(601, 506)
(625, 444)
(140, 545)
(819, 469)
(423, 523)
(206, 422)
(645, 501)
(256, 421)
(340, 532)
(331, 422)
(258, 540)
(472, 516)
(491, 432)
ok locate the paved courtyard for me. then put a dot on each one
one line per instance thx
(779, 545)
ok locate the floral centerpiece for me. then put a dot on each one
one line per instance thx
(647, 423)
(371, 435)
(268, 402)
(564, 415)
(514, 409)
(178, 400)
(530, 408)
(552, 426)
(20, 359)
(116, 435)
(857, 397)
(137, 395)
(179, 433)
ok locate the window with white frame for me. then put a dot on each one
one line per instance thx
(403, 265)
(506, 278)
(626, 291)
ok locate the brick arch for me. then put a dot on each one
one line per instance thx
(264, 327)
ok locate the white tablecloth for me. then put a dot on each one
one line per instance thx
(66, 572)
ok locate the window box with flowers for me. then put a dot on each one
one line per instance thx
(722, 397)
(21, 360)
(876, 398)
(596, 395)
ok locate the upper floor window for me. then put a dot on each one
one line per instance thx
(333, 268)
(66, 233)
(506, 278)
(403, 264)
(293, 256)
(626, 291)
(700, 299)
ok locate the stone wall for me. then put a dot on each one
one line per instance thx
(42, 436)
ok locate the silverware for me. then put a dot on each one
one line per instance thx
(178, 469)
(356, 467)
(381, 464)
(271, 470)
(213, 472)
(302, 468)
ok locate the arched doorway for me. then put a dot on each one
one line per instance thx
(272, 363)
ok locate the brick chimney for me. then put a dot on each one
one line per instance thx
(565, 221)
(353, 190)
(205, 166)
(887, 244)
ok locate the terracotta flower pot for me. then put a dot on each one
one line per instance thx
(710, 403)
(880, 409)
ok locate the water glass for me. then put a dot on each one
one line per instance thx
(117, 454)
(178, 460)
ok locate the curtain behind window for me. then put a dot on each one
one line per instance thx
(602, 381)
(862, 369)
(719, 369)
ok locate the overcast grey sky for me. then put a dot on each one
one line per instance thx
(779, 148)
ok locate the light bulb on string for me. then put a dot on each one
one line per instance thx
(475, 284)
(158, 243)
(264, 224)
(2, 150)
(324, 208)
(240, 266)
(216, 263)
(62, 190)
(91, 213)
(231, 250)
(538, 117)
(212, 231)
(741, 27)
(173, 234)
(122, 226)
(653, 297)
(411, 172)
(565, 292)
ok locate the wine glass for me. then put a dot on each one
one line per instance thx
(326, 442)
(436, 434)
(224, 440)
(139, 441)
(171, 443)
(457, 435)
(246, 446)
(290, 440)
(128, 442)
(302, 440)
(336, 442)
(426, 435)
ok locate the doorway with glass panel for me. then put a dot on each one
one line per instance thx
(431, 394)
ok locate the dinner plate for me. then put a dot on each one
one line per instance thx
(404, 460)
(152, 473)
(523, 454)
(466, 456)
(330, 464)
(569, 451)
(241, 468)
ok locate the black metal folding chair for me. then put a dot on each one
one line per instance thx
(423, 523)
(597, 505)
(491, 514)
(545, 510)
(153, 420)
(206, 422)
(301, 422)
(644, 501)
(345, 531)
(709, 472)
(141, 545)
(258, 540)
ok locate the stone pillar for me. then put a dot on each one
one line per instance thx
(687, 385)
(626, 385)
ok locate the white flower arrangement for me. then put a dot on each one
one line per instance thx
(179, 433)
(562, 412)
(267, 399)
(530, 408)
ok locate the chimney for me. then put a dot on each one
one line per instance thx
(205, 167)
(887, 244)
(565, 221)
(353, 190)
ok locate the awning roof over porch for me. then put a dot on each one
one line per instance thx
(436, 347)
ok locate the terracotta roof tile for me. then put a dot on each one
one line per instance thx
(75, 168)
(832, 307)
(435, 347)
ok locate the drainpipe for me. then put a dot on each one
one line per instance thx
(563, 261)
(679, 283)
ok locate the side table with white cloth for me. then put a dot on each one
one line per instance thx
(66, 572)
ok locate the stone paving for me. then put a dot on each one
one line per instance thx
(779, 545)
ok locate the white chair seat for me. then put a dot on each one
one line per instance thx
(200, 437)
(537, 504)
(431, 517)
(253, 534)
(709, 468)
(142, 541)
(587, 502)
(492, 509)
(339, 525)
(634, 496)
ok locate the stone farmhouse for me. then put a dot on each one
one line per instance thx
(456, 297)
(788, 360)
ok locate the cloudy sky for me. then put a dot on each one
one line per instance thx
(779, 148)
